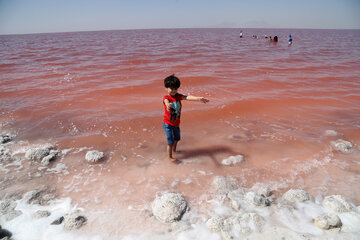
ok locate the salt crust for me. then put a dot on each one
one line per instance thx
(169, 207)
(327, 221)
(5, 154)
(94, 156)
(338, 203)
(296, 195)
(233, 160)
(38, 153)
(5, 138)
(342, 146)
(225, 185)
(73, 220)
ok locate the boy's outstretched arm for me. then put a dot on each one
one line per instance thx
(193, 98)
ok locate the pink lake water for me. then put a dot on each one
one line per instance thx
(273, 103)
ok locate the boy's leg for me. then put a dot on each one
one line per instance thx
(174, 146)
(170, 151)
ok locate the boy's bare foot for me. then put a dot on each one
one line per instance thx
(174, 160)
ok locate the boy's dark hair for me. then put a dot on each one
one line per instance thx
(172, 82)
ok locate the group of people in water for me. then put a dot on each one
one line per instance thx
(272, 39)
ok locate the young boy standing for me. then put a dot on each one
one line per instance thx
(172, 106)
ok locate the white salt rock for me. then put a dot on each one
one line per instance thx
(169, 207)
(265, 191)
(256, 199)
(225, 185)
(38, 153)
(328, 221)
(236, 197)
(330, 133)
(40, 214)
(337, 203)
(5, 154)
(342, 146)
(73, 221)
(232, 160)
(215, 224)
(94, 156)
(5, 137)
(296, 195)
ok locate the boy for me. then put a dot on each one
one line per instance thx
(172, 106)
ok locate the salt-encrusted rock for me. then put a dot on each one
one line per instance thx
(73, 221)
(7, 209)
(215, 223)
(38, 153)
(48, 197)
(5, 137)
(40, 214)
(232, 160)
(225, 185)
(342, 146)
(296, 195)
(94, 156)
(358, 209)
(236, 197)
(256, 199)
(169, 207)
(338, 203)
(265, 191)
(244, 223)
(328, 221)
(58, 221)
(32, 197)
(5, 154)
(253, 219)
(52, 155)
(330, 133)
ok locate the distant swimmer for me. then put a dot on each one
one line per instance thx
(241, 34)
(275, 38)
(290, 39)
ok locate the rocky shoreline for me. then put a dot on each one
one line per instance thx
(251, 213)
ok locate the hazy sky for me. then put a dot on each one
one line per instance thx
(34, 16)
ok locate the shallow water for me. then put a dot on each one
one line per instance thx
(272, 103)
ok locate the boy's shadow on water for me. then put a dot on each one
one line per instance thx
(212, 152)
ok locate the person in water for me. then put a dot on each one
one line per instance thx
(275, 38)
(290, 39)
(172, 107)
(241, 34)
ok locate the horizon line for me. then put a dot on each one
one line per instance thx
(166, 28)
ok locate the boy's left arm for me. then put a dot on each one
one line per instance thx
(193, 98)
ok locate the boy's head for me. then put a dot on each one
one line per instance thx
(172, 82)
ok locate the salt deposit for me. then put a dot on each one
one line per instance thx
(327, 221)
(41, 214)
(342, 146)
(338, 203)
(73, 220)
(5, 138)
(232, 160)
(38, 153)
(94, 156)
(256, 199)
(169, 207)
(225, 185)
(296, 195)
(5, 154)
(7, 209)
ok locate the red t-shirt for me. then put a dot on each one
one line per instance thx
(172, 117)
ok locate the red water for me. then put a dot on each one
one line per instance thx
(270, 102)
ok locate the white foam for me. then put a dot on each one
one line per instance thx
(25, 227)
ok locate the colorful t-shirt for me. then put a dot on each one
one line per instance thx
(172, 117)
